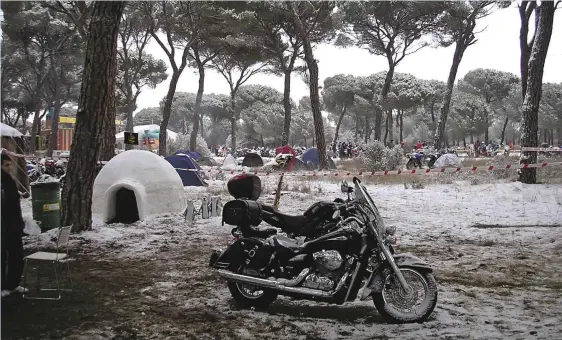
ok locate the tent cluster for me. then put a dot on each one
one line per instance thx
(309, 160)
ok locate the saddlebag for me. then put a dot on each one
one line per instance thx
(242, 213)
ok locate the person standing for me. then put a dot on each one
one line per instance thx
(12, 232)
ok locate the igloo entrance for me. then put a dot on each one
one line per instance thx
(126, 209)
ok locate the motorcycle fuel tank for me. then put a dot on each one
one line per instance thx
(324, 210)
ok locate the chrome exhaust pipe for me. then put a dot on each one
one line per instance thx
(295, 281)
(276, 285)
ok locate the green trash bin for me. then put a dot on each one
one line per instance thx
(45, 200)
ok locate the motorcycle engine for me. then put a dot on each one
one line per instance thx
(328, 261)
(326, 273)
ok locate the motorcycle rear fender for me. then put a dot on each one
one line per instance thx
(235, 253)
(404, 260)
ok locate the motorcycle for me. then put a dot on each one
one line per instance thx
(34, 171)
(331, 268)
(54, 168)
(414, 160)
(431, 159)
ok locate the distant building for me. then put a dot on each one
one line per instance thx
(65, 132)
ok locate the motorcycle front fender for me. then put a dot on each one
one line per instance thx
(404, 260)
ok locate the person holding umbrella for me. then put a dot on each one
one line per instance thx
(12, 232)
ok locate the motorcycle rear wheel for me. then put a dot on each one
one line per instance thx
(392, 311)
(241, 292)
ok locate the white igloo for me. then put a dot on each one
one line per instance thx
(137, 184)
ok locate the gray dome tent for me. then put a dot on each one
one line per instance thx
(252, 160)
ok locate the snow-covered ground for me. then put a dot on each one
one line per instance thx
(495, 247)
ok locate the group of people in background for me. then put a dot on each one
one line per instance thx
(345, 150)
(489, 148)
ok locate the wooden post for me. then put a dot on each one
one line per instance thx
(278, 193)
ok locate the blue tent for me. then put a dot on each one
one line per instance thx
(183, 163)
(311, 159)
(310, 155)
(193, 154)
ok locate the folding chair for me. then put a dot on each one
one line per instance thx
(55, 258)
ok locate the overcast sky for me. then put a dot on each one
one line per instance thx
(497, 48)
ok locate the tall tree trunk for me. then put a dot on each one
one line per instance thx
(96, 97)
(460, 48)
(129, 127)
(385, 129)
(233, 121)
(107, 150)
(534, 87)
(432, 110)
(486, 121)
(401, 126)
(390, 126)
(35, 127)
(366, 129)
(166, 112)
(197, 108)
(54, 136)
(381, 98)
(356, 127)
(287, 107)
(313, 85)
(503, 129)
(525, 10)
(342, 114)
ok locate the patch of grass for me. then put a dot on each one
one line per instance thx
(487, 243)
(304, 188)
(349, 164)
(415, 185)
(475, 181)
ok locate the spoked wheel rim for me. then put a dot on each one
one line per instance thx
(247, 290)
(410, 304)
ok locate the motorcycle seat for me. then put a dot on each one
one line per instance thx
(288, 223)
(291, 222)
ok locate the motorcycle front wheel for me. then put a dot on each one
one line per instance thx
(411, 164)
(398, 306)
(247, 295)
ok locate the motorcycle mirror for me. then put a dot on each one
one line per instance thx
(344, 187)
